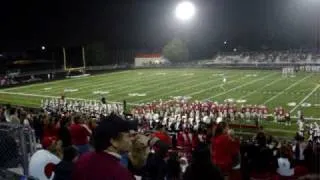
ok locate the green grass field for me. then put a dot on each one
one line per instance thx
(141, 86)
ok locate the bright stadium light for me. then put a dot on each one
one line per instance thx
(43, 48)
(185, 10)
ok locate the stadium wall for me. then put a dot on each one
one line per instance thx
(145, 60)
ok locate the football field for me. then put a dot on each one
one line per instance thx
(260, 87)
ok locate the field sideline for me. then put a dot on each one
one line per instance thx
(141, 86)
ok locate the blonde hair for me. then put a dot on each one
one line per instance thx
(138, 153)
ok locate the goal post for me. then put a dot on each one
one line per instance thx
(71, 68)
(74, 61)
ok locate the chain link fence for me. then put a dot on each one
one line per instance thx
(17, 146)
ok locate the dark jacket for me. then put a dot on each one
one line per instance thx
(203, 172)
(63, 171)
(156, 168)
(65, 136)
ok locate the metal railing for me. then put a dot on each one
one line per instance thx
(17, 146)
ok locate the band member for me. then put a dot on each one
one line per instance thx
(287, 119)
(184, 139)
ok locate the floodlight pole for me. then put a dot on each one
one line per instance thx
(83, 58)
(64, 58)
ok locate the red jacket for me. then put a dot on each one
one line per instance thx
(224, 149)
(50, 131)
(79, 134)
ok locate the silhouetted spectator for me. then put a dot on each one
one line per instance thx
(174, 169)
(156, 166)
(64, 133)
(201, 166)
(63, 170)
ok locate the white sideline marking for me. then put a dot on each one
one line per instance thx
(216, 86)
(188, 87)
(47, 96)
(281, 92)
(70, 90)
(241, 100)
(291, 104)
(267, 85)
(239, 86)
(118, 88)
(137, 94)
(100, 92)
(188, 74)
(152, 87)
(305, 98)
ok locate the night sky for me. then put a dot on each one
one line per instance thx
(149, 24)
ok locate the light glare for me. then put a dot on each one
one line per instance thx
(185, 10)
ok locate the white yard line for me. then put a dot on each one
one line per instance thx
(307, 118)
(217, 86)
(152, 86)
(267, 85)
(305, 98)
(289, 87)
(253, 81)
(190, 87)
(47, 96)
(101, 81)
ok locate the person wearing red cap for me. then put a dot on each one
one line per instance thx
(162, 135)
(42, 163)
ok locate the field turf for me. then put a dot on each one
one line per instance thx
(146, 85)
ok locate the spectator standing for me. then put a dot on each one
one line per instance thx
(64, 133)
(80, 134)
(285, 162)
(2, 115)
(298, 149)
(223, 149)
(260, 158)
(156, 166)
(111, 138)
(49, 126)
(174, 167)
(13, 118)
(63, 170)
(201, 166)
(162, 135)
(38, 127)
(138, 155)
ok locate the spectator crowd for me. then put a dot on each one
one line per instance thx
(80, 146)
